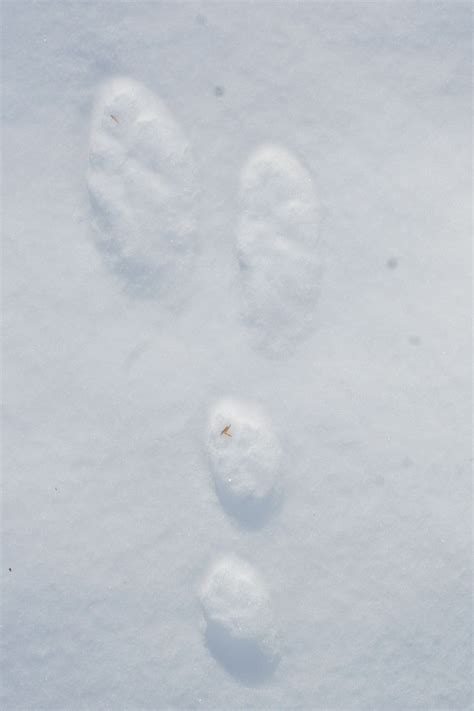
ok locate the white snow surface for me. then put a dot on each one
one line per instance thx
(258, 212)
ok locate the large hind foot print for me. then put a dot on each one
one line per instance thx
(277, 245)
(244, 456)
(141, 185)
(240, 628)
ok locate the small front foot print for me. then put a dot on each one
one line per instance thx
(244, 455)
(142, 190)
(240, 628)
(277, 244)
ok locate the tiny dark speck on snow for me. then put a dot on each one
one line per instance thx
(392, 263)
(219, 90)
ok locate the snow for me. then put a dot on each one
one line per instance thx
(146, 291)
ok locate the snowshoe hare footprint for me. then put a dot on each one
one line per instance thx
(240, 627)
(277, 244)
(142, 188)
(244, 456)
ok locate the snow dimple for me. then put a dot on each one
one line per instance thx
(240, 627)
(244, 455)
(142, 189)
(277, 245)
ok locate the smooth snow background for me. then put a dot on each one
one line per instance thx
(110, 519)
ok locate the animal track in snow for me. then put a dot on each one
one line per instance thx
(240, 629)
(245, 465)
(142, 189)
(277, 244)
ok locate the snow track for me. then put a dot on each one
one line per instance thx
(245, 460)
(278, 251)
(142, 188)
(240, 627)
